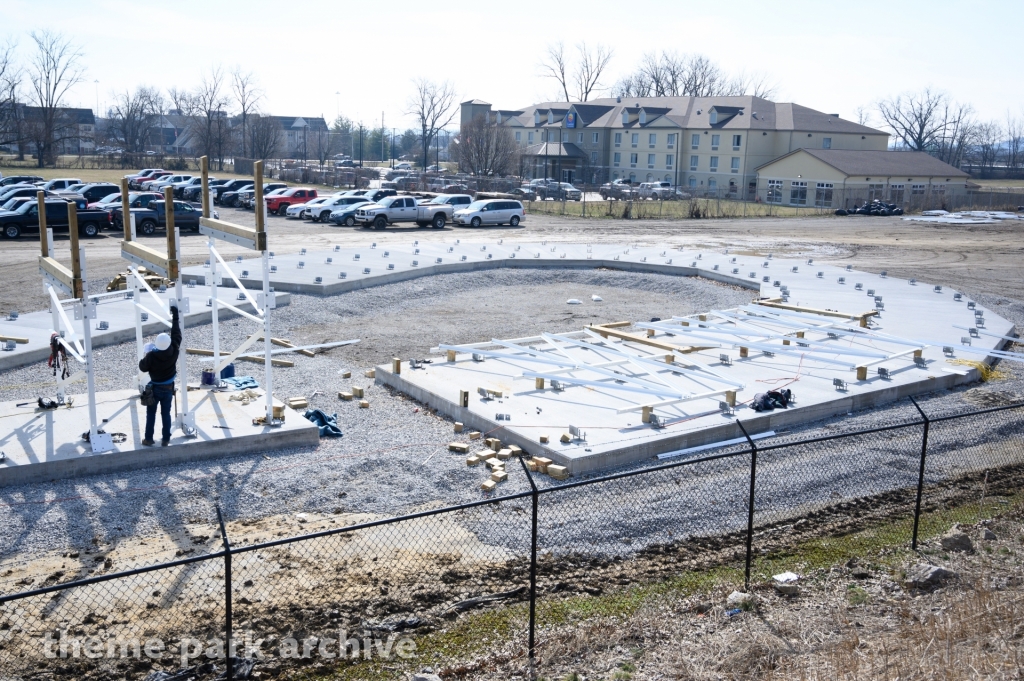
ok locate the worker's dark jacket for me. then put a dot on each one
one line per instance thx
(162, 364)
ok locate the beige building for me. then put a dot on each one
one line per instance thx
(710, 144)
(844, 178)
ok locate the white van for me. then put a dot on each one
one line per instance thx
(490, 212)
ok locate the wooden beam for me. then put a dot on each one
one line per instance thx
(16, 339)
(259, 238)
(172, 255)
(58, 272)
(204, 168)
(156, 258)
(281, 342)
(43, 244)
(76, 254)
(616, 325)
(604, 331)
(862, 317)
(247, 358)
(126, 219)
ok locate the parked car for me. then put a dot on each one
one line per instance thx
(145, 173)
(195, 181)
(403, 166)
(247, 197)
(301, 210)
(279, 203)
(95, 191)
(491, 212)
(194, 192)
(20, 179)
(155, 175)
(559, 191)
(60, 183)
(620, 188)
(231, 198)
(663, 191)
(135, 200)
(21, 190)
(12, 204)
(330, 204)
(150, 182)
(394, 209)
(154, 217)
(26, 219)
(346, 215)
(168, 181)
(524, 193)
(407, 183)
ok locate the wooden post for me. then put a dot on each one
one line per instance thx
(463, 398)
(126, 210)
(76, 259)
(702, 317)
(650, 333)
(862, 373)
(396, 366)
(785, 341)
(864, 321)
(730, 398)
(538, 383)
(646, 415)
(799, 334)
(743, 352)
(917, 354)
(204, 167)
(451, 356)
(257, 187)
(169, 209)
(43, 244)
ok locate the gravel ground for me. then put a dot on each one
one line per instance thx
(393, 457)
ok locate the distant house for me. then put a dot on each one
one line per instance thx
(74, 129)
(300, 135)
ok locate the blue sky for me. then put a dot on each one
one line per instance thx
(830, 56)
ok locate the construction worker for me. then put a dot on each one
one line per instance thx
(161, 365)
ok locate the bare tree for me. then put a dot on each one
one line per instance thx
(11, 76)
(433, 105)
(958, 132)
(915, 119)
(133, 116)
(53, 70)
(754, 85)
(326, 143)
(205, 110)
(264, 136)
(247, 96)
(863, 116)
(582, 78)
(485, 148)
(988, 138)
(1014, 144)
(671, 74)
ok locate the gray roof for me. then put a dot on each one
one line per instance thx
(881, 163)
(741, 113)
(566, 150)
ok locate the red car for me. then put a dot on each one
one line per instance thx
(279, 203)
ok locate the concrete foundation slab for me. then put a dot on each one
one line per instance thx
(46, 445)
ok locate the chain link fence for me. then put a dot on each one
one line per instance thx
(375, 589)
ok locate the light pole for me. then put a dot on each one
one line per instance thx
(337, 113)
(97, 82)
(392, 148)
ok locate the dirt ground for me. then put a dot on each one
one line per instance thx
(976, 259)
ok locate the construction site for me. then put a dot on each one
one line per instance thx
(362, 420)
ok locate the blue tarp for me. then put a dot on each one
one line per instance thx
(241, 382)
(328, 423)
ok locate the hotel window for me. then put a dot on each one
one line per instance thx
(595, 138)
(826, 142)
(693, 162)
(618, 139)
(593, 157)
(635, 139)
(579, 138)
(715, 140)
(650, 160)
(519, 136)
(632, 160)
(714, 164)
(672, 141)
(694, 141)
(543, 135)
(774, 191)
(693, 181)
(737, 140)
(616, 159)
(565, 137)
(734, 164)
(529, 138)
(798, 193)
(652, 140)
(669, 159)
(712, 184)
(823, 195)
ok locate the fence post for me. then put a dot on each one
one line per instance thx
(920, 472)
(533, 576)
(230, 673)
(750, 506)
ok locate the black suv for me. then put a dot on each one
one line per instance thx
(232, 186)
(26, 218)
(18, 179)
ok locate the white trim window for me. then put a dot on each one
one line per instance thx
(774, 191)
(529, 138)
(616, 159)
(650, 160)
(715, 141)
(632, 160)
(734, 164)
(672, 141)
(798, 193)
(823, 195)
(652, 140)
(712, 184)
(595, 138)
(692, 182)
(876, 191)
(737, 141)
(634, 140)
(579, 138)
(519, 136)
(618, 139)
(565, 137)
(593, 158)
(917, 189)
(669, 160)
(826, 142)
(695, 141)
(714, 165)
(938, 189)
(896, 193)
(693, 162)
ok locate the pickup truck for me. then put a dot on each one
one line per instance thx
(279, 203)
(154, 216)
(246, 197)
(229, 186)
(26, 219)
(394, 209)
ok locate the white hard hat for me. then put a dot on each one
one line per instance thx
(163, 341)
